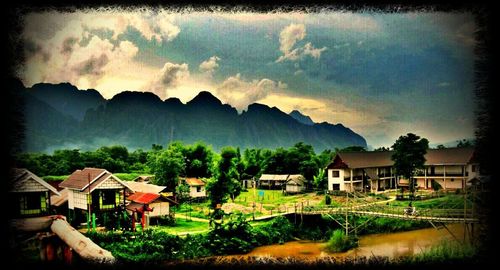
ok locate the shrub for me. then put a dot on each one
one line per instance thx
(339, 242)
(328, 200)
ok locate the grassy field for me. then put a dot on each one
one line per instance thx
(50, 178)
(128, 176)
(182, 226)
(271, 197)
(450, 201)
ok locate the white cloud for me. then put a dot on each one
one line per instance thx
(210, 65)
(241, 93)
(289, 36)
(169, 77)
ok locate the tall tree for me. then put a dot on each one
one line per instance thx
(199, 159)
(168, 165)
(409, 155)
(225, 183)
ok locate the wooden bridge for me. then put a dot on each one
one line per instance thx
(360, 206)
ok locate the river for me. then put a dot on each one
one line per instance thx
(391, 245)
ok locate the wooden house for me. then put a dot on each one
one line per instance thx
(29, 194)
(295, 183)
(196, 187)
(95, 190)
(273, 181)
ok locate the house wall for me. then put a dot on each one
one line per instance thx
(31, 186)
(194, 194)
(337, 180)
(294, 188)
(79, 199)
(110, 183)
(160, 209)
(470, 172)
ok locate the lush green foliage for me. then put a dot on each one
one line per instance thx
(409, 155)
(168, 165)
(339, 242)
(445, 252)
(225, 183)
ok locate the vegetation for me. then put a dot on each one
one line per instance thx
(445, 252)
(339, 242)
(409, 155)
(225, 183)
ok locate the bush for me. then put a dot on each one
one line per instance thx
(328, 200)
(339, 242)
(168, 220)
(435, 185)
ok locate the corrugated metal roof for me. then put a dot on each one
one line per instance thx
(274, 177)
(194, 182)
(58, 200)
(145, 187)
(141, 197)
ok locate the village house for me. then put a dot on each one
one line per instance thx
(144, 178)
(29, 194)
(95, 190)
(451, 168)
(273, 181)
(295, 183)
(150, 195)
(196, 187)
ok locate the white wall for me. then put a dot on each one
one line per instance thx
(294, 188)
(336, 180)
(194, 194)
(160, 209)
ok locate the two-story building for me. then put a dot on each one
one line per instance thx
(95, 190)
(451, 168)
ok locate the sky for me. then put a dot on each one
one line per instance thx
(380, 74)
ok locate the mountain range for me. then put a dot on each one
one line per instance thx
(59, 116)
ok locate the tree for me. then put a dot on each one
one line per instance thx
(225, 183)
(167, 166)
(199, 159)
(409, 155)
(353, 148)
(182, 192)
(320, 179)
(382, 149)
(440, 146)
(464, 143)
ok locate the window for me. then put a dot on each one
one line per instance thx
(108, 197)
(335, 173)
(198, 189)
(33, 201)
(452, 179)
(473, 168)
(335, 186)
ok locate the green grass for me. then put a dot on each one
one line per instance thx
(339, 242)
(128, 176)
(445, 251)
(183, 226)
(270, 197)
(49, 178)
(450, 201)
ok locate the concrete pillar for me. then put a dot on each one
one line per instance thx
(444, 176)
(352, 187)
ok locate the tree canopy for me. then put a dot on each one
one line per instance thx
(409, 155)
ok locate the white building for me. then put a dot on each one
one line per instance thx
(451, 168)
(196, 188)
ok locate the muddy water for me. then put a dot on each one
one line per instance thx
(386, 244)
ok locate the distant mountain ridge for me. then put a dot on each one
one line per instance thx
(61, 116)
(304, 119)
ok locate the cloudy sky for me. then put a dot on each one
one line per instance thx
(380, 74)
